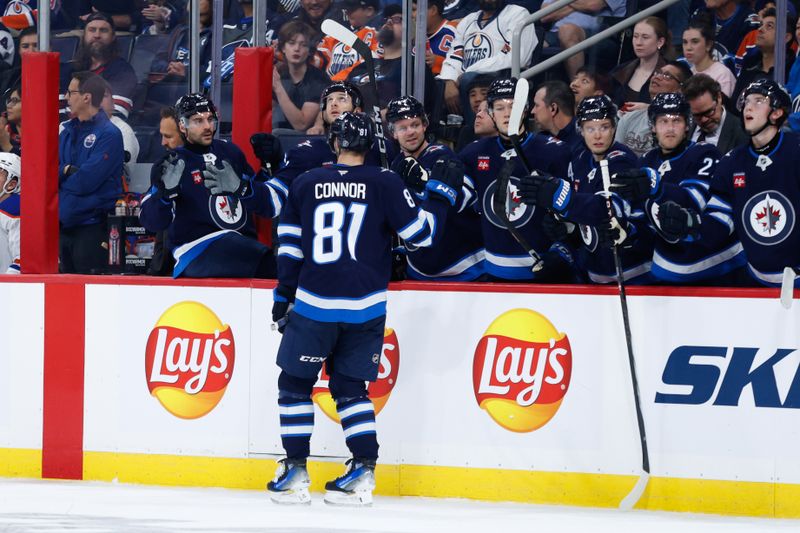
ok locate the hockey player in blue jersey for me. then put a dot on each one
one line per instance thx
(583, 201)
(483, 160)
(333, 265)
(755, 190)
(684, 170)
(458, 256)
(205, 196)
(337, 98)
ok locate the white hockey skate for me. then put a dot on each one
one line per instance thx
(291, 482)
(355, 487)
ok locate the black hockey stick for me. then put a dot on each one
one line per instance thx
(787, 286)
(500, 201)
(636, 493)
(340, 33)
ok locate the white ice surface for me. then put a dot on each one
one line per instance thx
(56, 506)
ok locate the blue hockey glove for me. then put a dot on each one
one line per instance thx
(446, 180)
(546, 191)
(171, 172)
(637, 184)
(283, 298)
(225, 180)
(677, 222)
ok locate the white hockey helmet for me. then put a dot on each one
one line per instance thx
(12, 164)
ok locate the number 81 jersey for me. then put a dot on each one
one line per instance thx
(335, 239)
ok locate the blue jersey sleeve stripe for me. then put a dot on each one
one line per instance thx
(278, 184)
(413, 227)
(718, 204)
(293, 252)
(289, 230)
(724, 218)
(340, 303)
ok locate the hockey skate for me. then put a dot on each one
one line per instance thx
(355, 486)
(291, 482)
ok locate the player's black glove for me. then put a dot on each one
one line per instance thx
(283, 298)
(171, 172)
(555, 228)
(268, 150)
(225, 180)
(613, 234)
(546, 191)
(636, 184)
(446, 180)
(414, 175)
(677, 222)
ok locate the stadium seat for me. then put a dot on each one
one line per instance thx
(150, 148)
(149, 54)
(66, 46)
(124, 45)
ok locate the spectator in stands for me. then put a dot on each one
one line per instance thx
(10, 168)
(11, 121)
(119, 11)
(440, 34)
(632, 79)
(634, 129)
(793, 76)
(713, 123)
(296, 85)
(90, 157)
(338, 59)
(28, 41)
(732, 20)
(554, 112)
(313, 12)
(179, 63)
(574, 22)
(160, 16)
(749, 40)
(589, 81)
(482, 125)
(698, 49)
(759, 62)
(483, 45)
(98, 53)
(129, 141)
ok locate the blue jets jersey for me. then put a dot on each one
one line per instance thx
(483, 159)
(685, 180)
(756, 195)
(589, 209)
(315, 153)
(335, 239)
(458, 254)
(196, 217)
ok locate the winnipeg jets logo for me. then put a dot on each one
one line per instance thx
(227, 212)
(588, 236)
(664, 168)
(768, 218)
(763, 162)
(518, 212)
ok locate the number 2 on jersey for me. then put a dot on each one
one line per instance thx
(329, 222)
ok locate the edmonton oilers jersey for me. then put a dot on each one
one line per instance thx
(335, 239)
(757, 196)
(458, 253)
(315, 152)
(589, 209)
(685, 180)
(196, 215)
(483, 159)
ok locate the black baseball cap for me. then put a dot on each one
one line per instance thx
(99, 15)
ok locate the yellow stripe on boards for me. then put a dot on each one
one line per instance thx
(741, 498)
(20, 462)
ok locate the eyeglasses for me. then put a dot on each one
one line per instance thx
(12, 101)
(395, 19)
(667, 75)
(708, 113)
(70, 92)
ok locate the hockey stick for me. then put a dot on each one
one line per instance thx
(636, 493)
(340, 33)
(500, 200)
(787, 287)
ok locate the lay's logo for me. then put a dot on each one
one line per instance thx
(189, 360)
(521, 370)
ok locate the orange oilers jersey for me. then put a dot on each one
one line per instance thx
(339, 59)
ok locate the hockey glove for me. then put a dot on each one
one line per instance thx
(268, 150)
(446, 180)
(283, 298)
(171, 172)
(225, 180)
(612, 234)
(546, 191)
(414, 175)
(637, 184)
(555, 228)
(677, 222)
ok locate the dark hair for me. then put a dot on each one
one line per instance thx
(99, 15)
(791, 21)
(480, 81)
(438, 3)
(683, 69)
(699, 84)
(92, 84)
(292, 28)
(557, 92)
(83, 59)
(703, 23)
(602, 81)
(30, 30)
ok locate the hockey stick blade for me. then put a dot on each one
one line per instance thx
(340, 33)
(517, 110)
(635, 494)
(787, 287)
